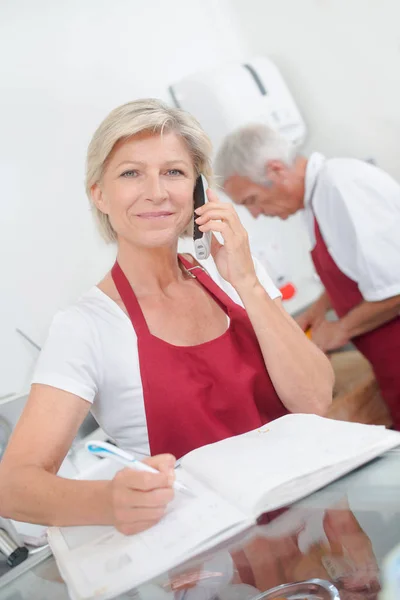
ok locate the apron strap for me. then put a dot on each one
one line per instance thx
(133, 307)
(209, 284)
(128, 297)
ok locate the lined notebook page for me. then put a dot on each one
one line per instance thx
(101, 561)
(246, 467)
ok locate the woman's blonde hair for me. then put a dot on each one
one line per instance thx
(131, 119)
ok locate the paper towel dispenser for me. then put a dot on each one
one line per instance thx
(240, 93)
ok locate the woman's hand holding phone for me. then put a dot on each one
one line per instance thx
(233, 257)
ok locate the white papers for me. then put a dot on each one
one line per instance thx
(33, 535)
(291, 448)
(260, 470)
(102, 562)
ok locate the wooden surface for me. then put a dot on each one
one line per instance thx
(356, 394)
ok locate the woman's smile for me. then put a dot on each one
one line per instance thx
(156, 214)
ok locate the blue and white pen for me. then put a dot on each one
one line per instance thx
(106, 450)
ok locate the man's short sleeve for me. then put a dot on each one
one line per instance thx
(359, 216)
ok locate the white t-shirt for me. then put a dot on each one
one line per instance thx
(357, 207)
(91, 351)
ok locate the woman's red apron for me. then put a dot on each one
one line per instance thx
(380, 346)
(197, 395)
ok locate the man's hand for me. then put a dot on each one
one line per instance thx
(329, 335)
(315, 314)
(306, 319)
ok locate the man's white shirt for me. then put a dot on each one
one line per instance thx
(357, 207)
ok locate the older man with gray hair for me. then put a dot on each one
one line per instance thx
(352, 214)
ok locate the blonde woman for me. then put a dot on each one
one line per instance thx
(167, 355)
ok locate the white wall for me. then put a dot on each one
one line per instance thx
(64, 65)
(342, 61)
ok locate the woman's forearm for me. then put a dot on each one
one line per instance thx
(301, 373)
(370, 315)
(33, 495)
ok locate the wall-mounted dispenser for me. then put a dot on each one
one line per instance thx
(240, 93)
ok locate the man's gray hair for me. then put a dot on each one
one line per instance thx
(247, 150)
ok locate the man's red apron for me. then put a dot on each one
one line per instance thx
(380, 346)
(196, 395)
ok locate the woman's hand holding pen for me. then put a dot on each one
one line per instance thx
(138, 498)
(233, 258)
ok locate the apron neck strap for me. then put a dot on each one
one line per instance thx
(197, 271)
(129, 299)
(132, 305)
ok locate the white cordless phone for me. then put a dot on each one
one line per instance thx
(202, 241)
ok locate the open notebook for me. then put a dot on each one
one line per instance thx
(234, 481)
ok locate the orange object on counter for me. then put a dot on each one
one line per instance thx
(308, 333)
(287, 291)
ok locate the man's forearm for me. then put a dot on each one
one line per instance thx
(369, 315)
(323, 304)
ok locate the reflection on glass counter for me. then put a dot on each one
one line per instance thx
(339, 535)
